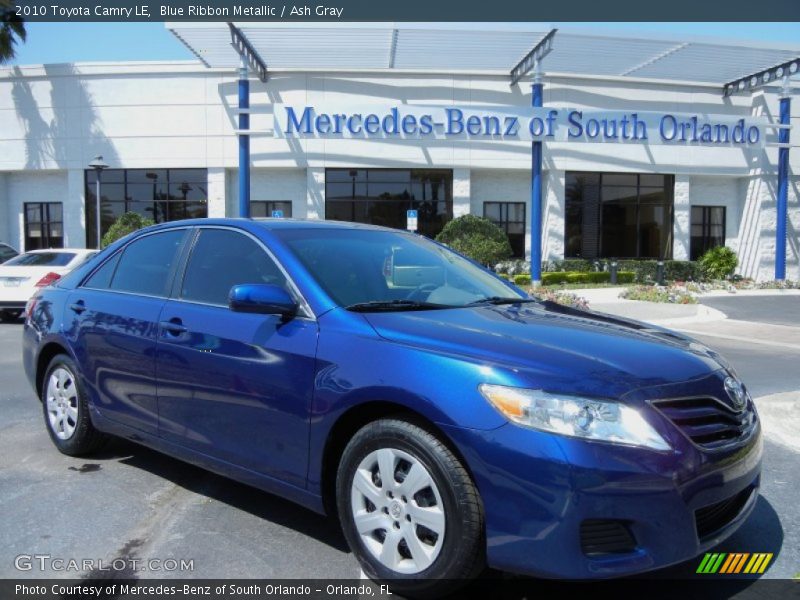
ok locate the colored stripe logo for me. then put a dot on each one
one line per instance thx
(734, 563)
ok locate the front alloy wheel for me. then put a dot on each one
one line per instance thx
(398, 510)
(409, 509)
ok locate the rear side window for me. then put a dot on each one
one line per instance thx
(222, 258)
(101, 279)
(145, 264)
(42, 259)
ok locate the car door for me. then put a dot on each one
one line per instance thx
(235, 386)
(111, 322)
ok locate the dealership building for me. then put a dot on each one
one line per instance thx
(642, 147)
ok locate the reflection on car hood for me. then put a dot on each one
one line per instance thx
(554, 346)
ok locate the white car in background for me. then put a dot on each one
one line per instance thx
(21, 276)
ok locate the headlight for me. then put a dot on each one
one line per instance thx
(574, 416)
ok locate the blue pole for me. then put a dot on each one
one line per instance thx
(783, 185)
(536, 190)
(244, 144)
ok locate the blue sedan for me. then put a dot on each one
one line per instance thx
(447, 419)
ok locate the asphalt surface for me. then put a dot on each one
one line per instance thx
(131, 502)
(777, 309)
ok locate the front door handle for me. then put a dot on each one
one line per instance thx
(77, 307)
(174, 326)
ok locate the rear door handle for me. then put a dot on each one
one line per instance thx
(77, 307)
(174, 326)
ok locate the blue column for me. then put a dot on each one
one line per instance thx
(244, 144)
(536, 191)
(783, 186)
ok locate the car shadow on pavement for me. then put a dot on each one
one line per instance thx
(237, 495)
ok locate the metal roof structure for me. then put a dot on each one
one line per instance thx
(444, 47)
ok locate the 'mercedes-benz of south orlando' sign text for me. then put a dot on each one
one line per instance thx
(515, 124)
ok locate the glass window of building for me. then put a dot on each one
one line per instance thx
(383, 196)
(44, 225)
(266, 208)
(708, 229)
(510, 217)
(158, 194)
(618, 215)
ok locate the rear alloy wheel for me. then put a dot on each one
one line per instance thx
(409, 509)
(66, 412)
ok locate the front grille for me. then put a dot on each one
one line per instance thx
(707, 422)
(604, 536)
(711, 519)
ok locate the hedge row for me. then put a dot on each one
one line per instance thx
(645, 271)
(554, 278)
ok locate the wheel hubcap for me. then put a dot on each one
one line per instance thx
(398, 510)
(62, 403)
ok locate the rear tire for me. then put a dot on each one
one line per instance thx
(66, 410)
(409, 509)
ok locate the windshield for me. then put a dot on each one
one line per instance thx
(41, 259)
(393, 269)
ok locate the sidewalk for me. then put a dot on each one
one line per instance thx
(607, 300)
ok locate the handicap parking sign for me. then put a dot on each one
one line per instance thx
(411, 218)
(277, 214)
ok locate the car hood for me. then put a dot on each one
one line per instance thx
(549, 346)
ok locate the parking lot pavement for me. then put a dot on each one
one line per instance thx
(135, 503)
(132, 502)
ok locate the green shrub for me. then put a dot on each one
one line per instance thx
(522, 279)
(503, 276)
(571, 264)
(719, 263)
(476, 237)
(127, 223)
(557, 277)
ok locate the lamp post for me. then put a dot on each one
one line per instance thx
(98, 165)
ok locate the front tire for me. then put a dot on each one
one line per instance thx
(409, 509)
(66, 410)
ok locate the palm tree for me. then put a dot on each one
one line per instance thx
(12, 29)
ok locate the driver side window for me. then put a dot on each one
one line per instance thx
(222, 258)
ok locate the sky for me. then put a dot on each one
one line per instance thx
(74, 42)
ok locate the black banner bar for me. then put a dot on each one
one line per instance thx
(407, 10)
(502, 587)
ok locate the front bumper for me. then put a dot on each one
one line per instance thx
(538, 489)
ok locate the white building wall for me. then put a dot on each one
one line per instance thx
(217, 192)
(682, 212)
(553, 197)
(720, 191)
(315, 194)
(171, 115)
(462, 185)
(74, 212)
(5, 211)
(270, 185)
(43, 186)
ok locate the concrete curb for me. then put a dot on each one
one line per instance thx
(780, 418)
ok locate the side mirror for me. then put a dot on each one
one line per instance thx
(262, 298)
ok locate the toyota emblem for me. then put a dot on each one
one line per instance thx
(735, 392)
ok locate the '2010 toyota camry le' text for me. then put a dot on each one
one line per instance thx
(449, 420)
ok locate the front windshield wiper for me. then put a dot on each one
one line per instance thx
(394, 305)
(497, 300)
